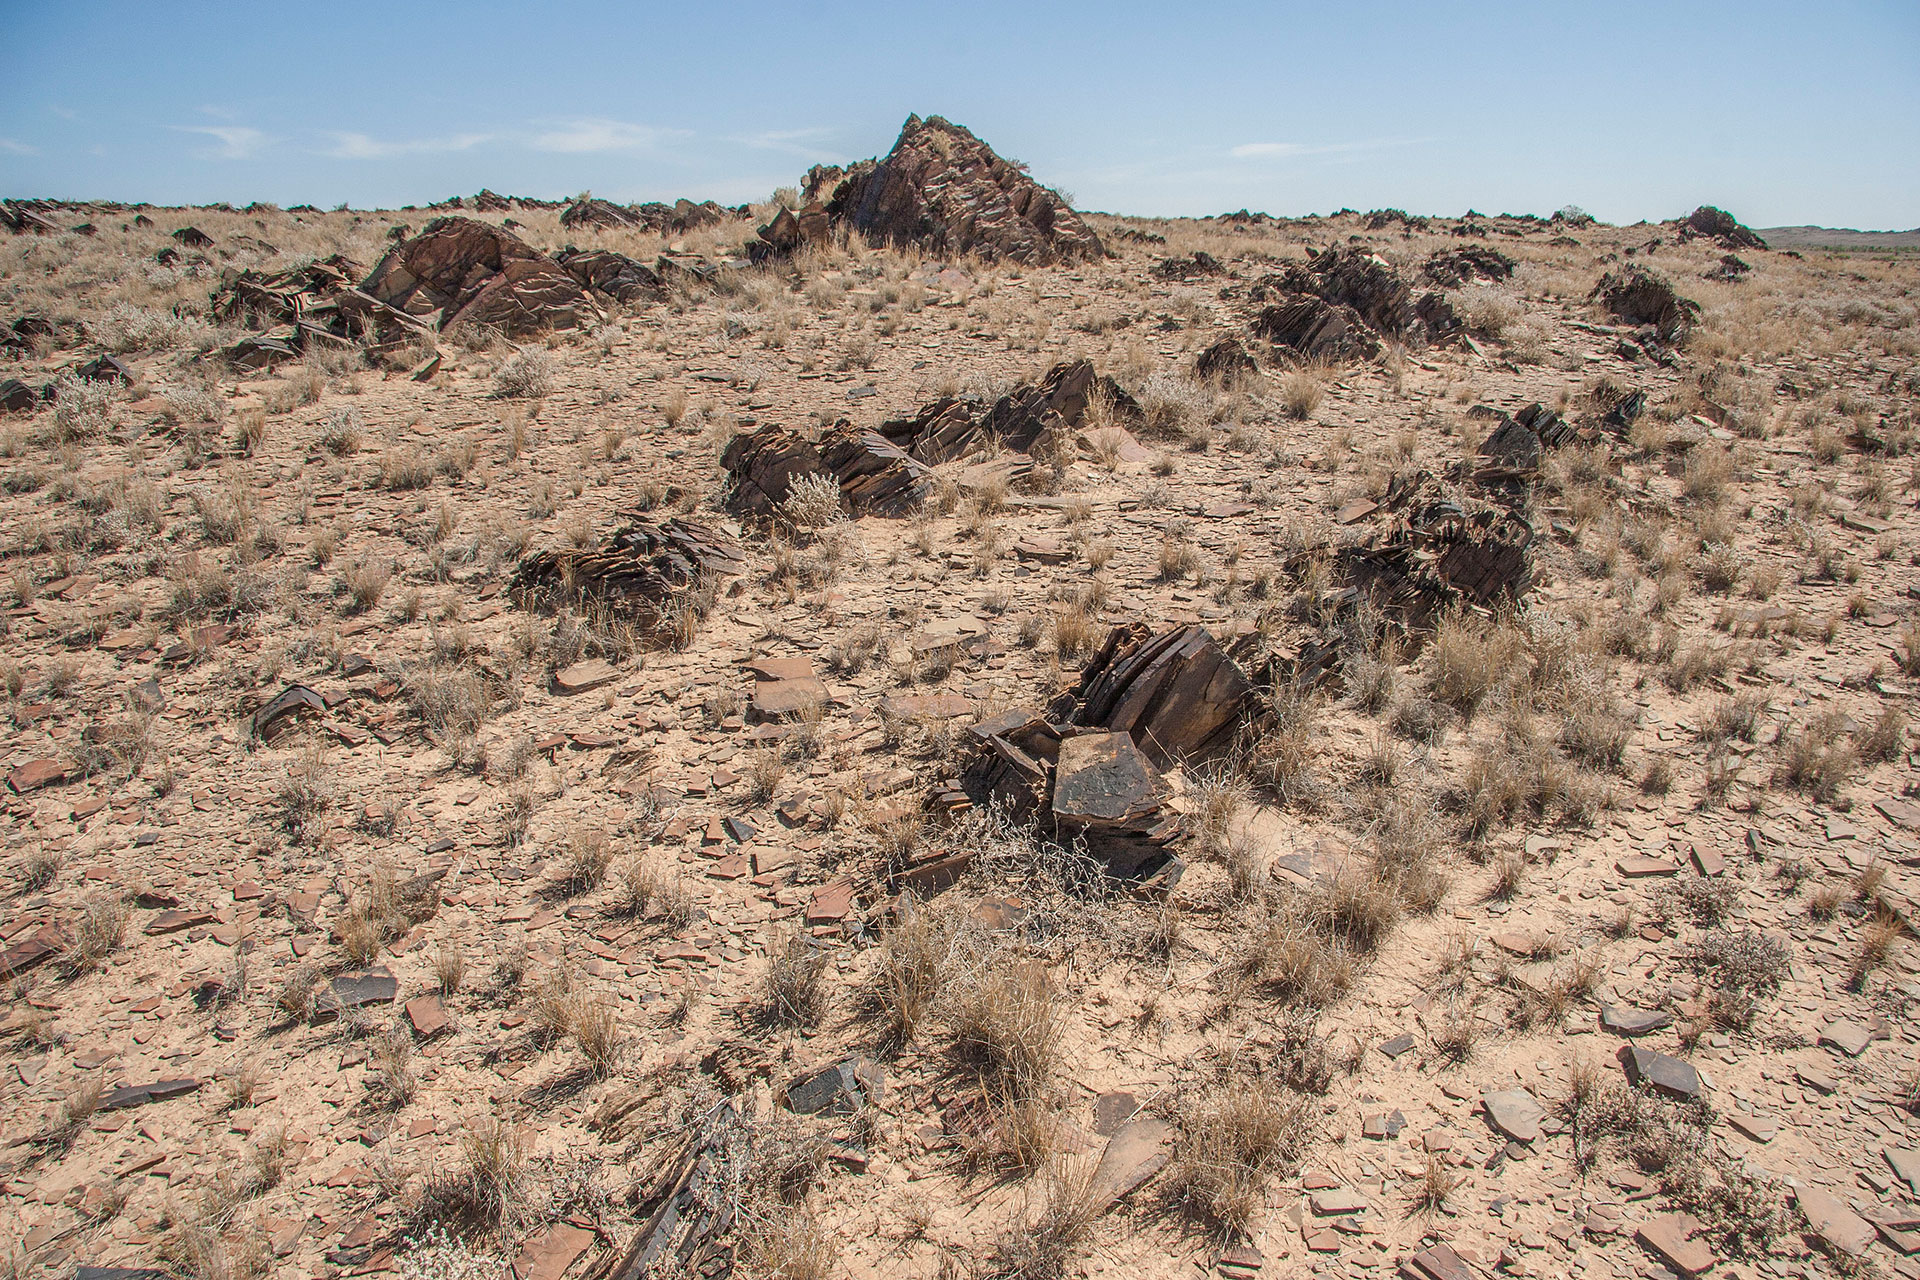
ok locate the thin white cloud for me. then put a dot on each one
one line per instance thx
(793, 142)
(360, 146)
(65, 113)
(237, 142)
(1291, 150)
(575, 137)
(14, 148)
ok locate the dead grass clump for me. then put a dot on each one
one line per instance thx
(451, 703)
(528, 373)
(307, 793)
(1301, 391)
(100, 931)
(788, 1242)
(1470, 660)
(1817, 759)
(588, 857)
(1043, 1247)
(1297, 963)
(909, 973)
(490, 1190)
(1235, 1136)
(1006, 1021)
(1885, 738)
(792, 994)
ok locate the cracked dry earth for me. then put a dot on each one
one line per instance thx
(1564, 937)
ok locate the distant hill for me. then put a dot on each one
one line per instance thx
(1838, 238)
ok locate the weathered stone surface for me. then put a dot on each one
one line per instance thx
(1438, 1262)
(1177, 693)
(1667, 1075)
(1337, 1202)
(1226, 361)
(548, 1255)
(1358, 279)
(287, 708)
(1830, 1219)
(874, 474)
(1670, 1238)
(838, 1090)
(138, 1095)
(1103, 780)
(944, 190)
(17, 397)
(1905, 1163)
(353, 990)
(1516, 1113)
(426, 1016)
(613, 274)
(595, 212)
(32, 949)
(1450, 268)
(582, 676)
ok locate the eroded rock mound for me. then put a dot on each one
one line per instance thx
(1350, 276)
(874, 474)
(595, 212)
(1305, 328)
(1438, 549)
(1720, 226)
(463, 271)
(946, 191)
(639, 570)
(1226, 362)
(1642, 297)
(1451, 268)
(1178, 693)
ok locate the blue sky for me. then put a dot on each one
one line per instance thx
(1782, 113)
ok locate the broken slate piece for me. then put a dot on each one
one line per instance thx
(833, 1091)
(1669, 1238)
(548, 1255)
(1905, 1164)
(1635, 865)
(1437, 1263)
(1398, 1045)
(582, 676)
(1851, 1038)
(1138, 1151)
(35, 774)
(138, 1095)
(352, 990)
(1516, 1113)
(120, 1273)
(1103, 779)
(1625, 1020)
(1111, 1111)
(1833, 1222)
(1338, 1202)
(1667, 1075)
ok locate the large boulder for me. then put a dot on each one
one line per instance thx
(1178, 693)
(946, 191)
(1350, 276)
(1306, 329)
(460, 270)
(614, 274)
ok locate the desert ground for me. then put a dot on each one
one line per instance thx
(390, 889)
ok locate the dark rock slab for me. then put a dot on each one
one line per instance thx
(1102, 779)
(840, 1089)
(1625, 1020)
(1666, 1075)
(354, 990)
(138, 1095)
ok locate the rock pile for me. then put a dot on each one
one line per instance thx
(1438, 549)
(1641, 297)
(304, 308)
(639, 570)
(888, 470)
(946, 191)
(1338, 305)
(463, 271)
(1451, 268)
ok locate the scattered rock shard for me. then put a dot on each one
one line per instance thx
(944, 190)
